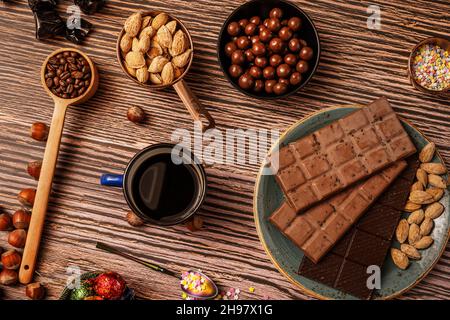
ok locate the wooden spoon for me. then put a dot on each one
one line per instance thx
(48, 165)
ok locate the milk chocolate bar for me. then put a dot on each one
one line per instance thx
(319, 228)
(366, 244)
(341, 154)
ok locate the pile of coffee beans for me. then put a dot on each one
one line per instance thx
(68, 75)
(268, 55)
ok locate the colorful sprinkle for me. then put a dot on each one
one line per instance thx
(431, 67)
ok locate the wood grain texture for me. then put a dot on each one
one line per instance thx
(357, 66)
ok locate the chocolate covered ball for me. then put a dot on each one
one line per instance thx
(276, 13)
(302, 66)
(274, 25)
(276, 45)
(249, 56)
(255, 72)
(295, 78)
(234, 29)
(238, 57)
(254, 39)
(275, 60)
(246, 82)
(235, 71)
(243, 23)
(250, 29)
(259, 86)
(294, 45)
(290, 59)
(306, 53)
(243, 42)
(255, 20)
(285, 34)
(280, 88)
(230, 47)
(269, 72)
(261, 62)
(268, 85)
(265, 34)
(259, 49)
(284, 81)
(266, 23)
(283, 70)
(295, 23)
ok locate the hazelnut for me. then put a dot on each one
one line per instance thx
(133, 219)
(21, 219)
(26, 196)
(39, 131)
(11, 259)
(8, 277)
(35, 291)
(17, 238)
(136, 114)
(34, 169)
(5, 222)
(195, 223)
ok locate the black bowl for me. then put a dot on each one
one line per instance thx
(262, 8)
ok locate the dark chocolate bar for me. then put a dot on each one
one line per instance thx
(368, 242)
(340, 154)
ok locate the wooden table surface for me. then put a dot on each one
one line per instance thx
(357, 66)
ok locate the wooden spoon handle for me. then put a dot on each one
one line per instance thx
(194, 106)
(42, 194)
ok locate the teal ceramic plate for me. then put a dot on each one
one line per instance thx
(287, 257)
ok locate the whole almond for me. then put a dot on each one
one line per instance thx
(160, 20)
(424, 243)
(417, 186)
(402, 231)
(411, 206)
(427, 153)
(144, 43)
(142, 74)
(135, 44)
(148, 31)
(434, 210)
(426, 226)
(421, 197)
(131, 71)
(164, 37)
(167, 74)
(133, 24)
(416, 217)
(399, 258)
(410, 251)
(155, 51)
(436, 193)
(414, 234)
(135, 59)
(183, 59)
(179, 43)
(437, 181)
(155, 78)
(157, 64)
(146, 21)
(434, 168)
(172, 26)
(422, 176)
(125, 43)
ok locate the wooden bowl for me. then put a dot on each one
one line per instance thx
(444, 44)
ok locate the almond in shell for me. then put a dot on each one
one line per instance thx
(410, 251)
(424, 243)
(131, 71)
(411, 206)
(155, 51)
(148, 31)
(402, 231)
(420, 197)
(422, 176)
(164, 37)
(167, 74)
(414, 234)
(179, 44)
(426, 226)
(436, 193)
(146, 21)
(178, 72)
(172, 26)
(133, 24)
(157, 64)
(400, 259)
(434, 210)
(155, 78)
(436, 181)
(416, 217)
(417, 186)
(142, 74)
(183, 59)
(144, 44)
(434, 168)
(135, 59)
(427, 153)
(160, 20)
(126, 43)
(135, 44)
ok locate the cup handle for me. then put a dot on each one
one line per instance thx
(111, 180)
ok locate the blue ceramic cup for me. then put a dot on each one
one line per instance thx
(161, 184)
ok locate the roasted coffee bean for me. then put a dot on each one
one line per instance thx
(52, 60)
(49, 82)
(56, 81)
(69, 88)
(65, 75)
(77, 74)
